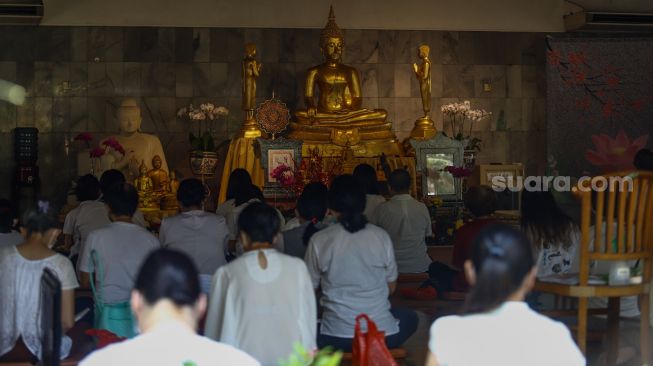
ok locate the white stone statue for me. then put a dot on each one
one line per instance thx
(139, 147)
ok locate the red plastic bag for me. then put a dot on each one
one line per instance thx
(369, 349)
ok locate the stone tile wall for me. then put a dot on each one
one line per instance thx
(75, 76)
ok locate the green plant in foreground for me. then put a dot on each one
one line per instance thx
(302, 357)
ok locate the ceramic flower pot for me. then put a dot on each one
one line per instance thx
(203, 162)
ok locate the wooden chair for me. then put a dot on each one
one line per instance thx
(628, 236)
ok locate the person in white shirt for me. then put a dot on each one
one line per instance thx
(408, 223)
(498, 327)
(554, 234)
(21, 268)
(262, 302)
(365, 175)
(311, 209)
(200, 235)
(353, 263)
(168, 303)
(77, 226)
(239, 179)
(121, 247)
(8, 236)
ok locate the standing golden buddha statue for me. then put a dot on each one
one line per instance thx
(334, 117)
(424, 127)
(251, 69)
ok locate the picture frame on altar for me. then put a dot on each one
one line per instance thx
(276, 152)
(278, 157)
(432, 157)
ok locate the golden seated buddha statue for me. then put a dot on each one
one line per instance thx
(337, 119)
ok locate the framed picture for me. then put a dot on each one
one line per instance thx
(432, 157)
(277, 152)
(278, 157)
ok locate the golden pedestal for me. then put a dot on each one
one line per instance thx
(424, 129)
(364, 141)
(250, 130)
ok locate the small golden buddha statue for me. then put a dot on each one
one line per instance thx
(334, 106)
(424, 127)
(145, 188)
(158, 176)
(173, 185)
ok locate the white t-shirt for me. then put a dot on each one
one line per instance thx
(372, 201)
(20, 312)
(10, 239)
(559, 260)
(170, 344)
(263, 311)
(513, 334)
(201, 235)
(122, 248)
(408, 223)
(225, 207)
(88, 216)
(232, 218)
(353, 270)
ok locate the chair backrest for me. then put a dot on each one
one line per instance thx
(50, 318)
(617, 211)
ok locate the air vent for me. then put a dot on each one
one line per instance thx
(21, 12)
(605, 21)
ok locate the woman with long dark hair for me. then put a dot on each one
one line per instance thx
(239, 181)
(365, 175)
(354, 265)
(554, 235)
(498, 327)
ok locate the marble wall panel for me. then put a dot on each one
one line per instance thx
(495, 76)
(7, 117)
(402, 80)
(166, 45)
(6, 164)
(79, 44)
(514, 115)
(25, 113)
(43, 114)
(201, 44)
(43, 79)
(369, 80)
(60, 114)
(78, 73)
(8, 70)
(78, 114)
(97, 111)
(218, 48)
(131, 79)
(458, 81)
(183, 45)
(115, 79)
(97, 79)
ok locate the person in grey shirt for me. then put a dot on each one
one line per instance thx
(200, 235)
(408, 223)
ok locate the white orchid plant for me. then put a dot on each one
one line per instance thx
(202, 114)
(458, 114)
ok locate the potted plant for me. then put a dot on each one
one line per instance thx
(459, 113)
(203, 156)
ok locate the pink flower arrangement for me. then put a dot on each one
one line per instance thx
(458, 171)
(97, 152)
(614, 154)
(114, 144)
(84, 137)
(284, 175)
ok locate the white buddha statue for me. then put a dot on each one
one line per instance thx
(139, 147)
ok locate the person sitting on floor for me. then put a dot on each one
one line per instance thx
(408, 222)
(643, 160)
(239, 179)
(9, 237)
(168, 304)
(502, 271)
(262, 302)
(21, 268)
(116, 251)
(76, 228)
(555, 236)
(365, 175)
(311, 209)
(481, 202)
(199, 234)
(353, 264)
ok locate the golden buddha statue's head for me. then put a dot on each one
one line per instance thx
(156, 162)
(129, 116)
(143, 168)
(250, 50)
(423, 51)
(332, 41)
